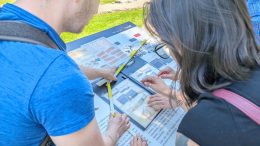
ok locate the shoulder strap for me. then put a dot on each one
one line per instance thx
(46, 141)
(244, 105)
(21, 32)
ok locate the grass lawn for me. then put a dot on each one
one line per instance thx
(107, 20)
(103, 21)
(6, 1)
(101, 1)
(107, 1)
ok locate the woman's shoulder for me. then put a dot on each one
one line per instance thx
(209, 112)
(213, 119)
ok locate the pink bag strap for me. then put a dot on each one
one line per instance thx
(244, 105)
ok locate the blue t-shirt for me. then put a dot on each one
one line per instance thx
(254, 12)
(41, 89)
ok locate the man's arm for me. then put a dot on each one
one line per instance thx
(93, 73)
(63, 103)
(87, 136)
(182, 140)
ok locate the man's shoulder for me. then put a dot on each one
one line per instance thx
(28, 51)
(26, 61)
(35, 56)
(38, 62)
(63, 72)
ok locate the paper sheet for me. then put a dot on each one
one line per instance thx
(99, 54)
(161, 132)
(132, 100)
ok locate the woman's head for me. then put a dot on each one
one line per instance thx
(211, 40)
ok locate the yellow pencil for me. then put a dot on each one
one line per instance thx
(110, 97)
(109, 89)
(133, 53)
(122, 66)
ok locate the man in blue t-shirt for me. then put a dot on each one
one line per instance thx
(42, 91)
(254, 12)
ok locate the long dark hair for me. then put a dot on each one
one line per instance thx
(212, 41)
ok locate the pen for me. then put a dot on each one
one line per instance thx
(110, 97)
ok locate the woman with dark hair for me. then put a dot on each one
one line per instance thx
(214, 45)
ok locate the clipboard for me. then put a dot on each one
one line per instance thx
(102, 92)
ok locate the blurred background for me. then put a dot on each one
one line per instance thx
(111, 13)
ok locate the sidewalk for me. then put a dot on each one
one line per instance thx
(106, 8)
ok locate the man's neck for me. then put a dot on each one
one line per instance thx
(43, 11)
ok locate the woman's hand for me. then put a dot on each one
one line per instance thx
(117, 126)
(167, 73)
(157, 84)
(138, 141)
(158, 102)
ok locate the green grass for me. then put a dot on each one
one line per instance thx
(6, 1)
(107, 1)
(107, 20)
(103, 21)
(101, 1)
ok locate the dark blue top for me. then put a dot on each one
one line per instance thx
(41, 90)
(214, 122)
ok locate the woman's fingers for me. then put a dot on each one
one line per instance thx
(148, 80)
(167, 73)
(157, 107)
(160, 103)
(166, 76)
(157, 97)
(166, 70)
